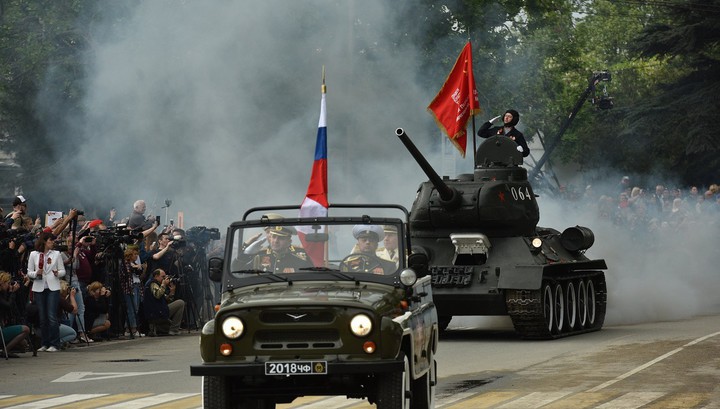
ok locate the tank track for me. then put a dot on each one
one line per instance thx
(538, 314)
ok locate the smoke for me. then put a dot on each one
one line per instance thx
(214, 106)
(663, 275)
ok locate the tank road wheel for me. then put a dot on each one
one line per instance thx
(559, 301)
(548, 306)
(215, 392)
(423, 396)
(591, 298)
(393, 388)
(570, 306)
(582, 303)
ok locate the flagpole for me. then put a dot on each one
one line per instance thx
(326, 249)
(474, 136)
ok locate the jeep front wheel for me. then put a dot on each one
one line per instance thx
(393, 388)
(216, 394)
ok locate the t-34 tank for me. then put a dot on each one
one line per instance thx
(488, 256)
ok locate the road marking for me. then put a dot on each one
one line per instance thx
(653, 362)
(485, 400)
(14, 400)
(331, 403)
(441, 403)
(95, 376)
(631, 400)
(534, 400)
(103, 401)
(60, 400)
(151, 401)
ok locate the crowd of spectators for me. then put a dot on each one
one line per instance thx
(645, 212)
(83, 280)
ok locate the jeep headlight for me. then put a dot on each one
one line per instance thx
(361, 325)
(233, 327)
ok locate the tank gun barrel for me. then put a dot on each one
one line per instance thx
(449, 197)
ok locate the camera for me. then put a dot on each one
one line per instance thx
(201, 235)
(87, 239)
(80, 212)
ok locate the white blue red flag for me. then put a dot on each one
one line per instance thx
(316, 201)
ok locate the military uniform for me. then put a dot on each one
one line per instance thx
(286, 261)
(367, 263)
(386, 254)
(289, 262)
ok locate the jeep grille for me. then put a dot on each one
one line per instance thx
(297, 339)
(292, 317)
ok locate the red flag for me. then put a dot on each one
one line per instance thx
(316, 202)
(457, 100)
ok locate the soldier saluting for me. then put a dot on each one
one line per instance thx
(281, 256)
(510, 119)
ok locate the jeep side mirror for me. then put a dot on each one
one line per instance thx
(418, 261)
(215, 269)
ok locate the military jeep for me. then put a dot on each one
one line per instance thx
(310, 308)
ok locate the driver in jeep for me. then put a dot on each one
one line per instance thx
(363, 258)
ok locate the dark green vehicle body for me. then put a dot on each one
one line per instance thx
(298, 324)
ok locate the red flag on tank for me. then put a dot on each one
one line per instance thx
(457, 100)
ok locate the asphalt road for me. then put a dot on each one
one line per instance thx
(481, 364)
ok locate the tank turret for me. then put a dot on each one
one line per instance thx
(488, 256)
(497, 197)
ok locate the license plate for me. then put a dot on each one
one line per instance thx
(296, 368)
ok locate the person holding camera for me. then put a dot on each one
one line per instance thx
(71, 259)
(164, 257)
(97, 307)
(14, 335)
(45, 268)
(162, 312)
(129, 276)
(14, 219)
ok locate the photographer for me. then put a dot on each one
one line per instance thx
(14, 219)
(15, 335)
(165, 256)
(130, 276)
(161, 311)
(72, 264)
(96, 308)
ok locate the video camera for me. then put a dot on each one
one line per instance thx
(201, 235)
(116, 235)
(18, 236)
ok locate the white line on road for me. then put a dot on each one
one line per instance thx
(653, 362)
(534, 400)
(60, 400)
(631, 400)
(151, 401)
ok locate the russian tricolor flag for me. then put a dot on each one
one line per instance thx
(316, 202)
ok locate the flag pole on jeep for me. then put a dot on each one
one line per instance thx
(315, 203)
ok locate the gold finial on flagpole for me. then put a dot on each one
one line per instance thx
(324, 88)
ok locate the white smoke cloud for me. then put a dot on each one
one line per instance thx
(214, 105)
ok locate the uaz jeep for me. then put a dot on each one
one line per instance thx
(319, 307)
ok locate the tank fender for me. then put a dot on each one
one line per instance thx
(521, 277)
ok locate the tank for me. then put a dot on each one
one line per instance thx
(488, 256)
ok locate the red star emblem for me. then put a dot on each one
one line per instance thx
(501, 195)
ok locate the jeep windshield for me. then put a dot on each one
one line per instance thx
(339, 248)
